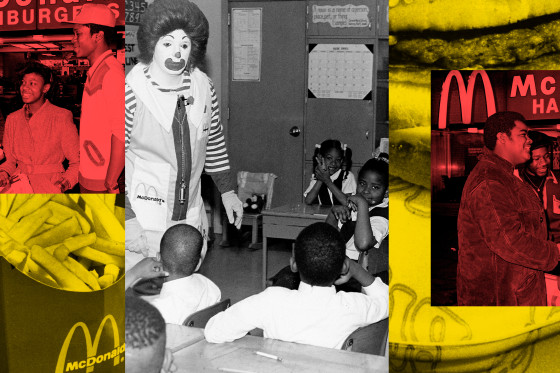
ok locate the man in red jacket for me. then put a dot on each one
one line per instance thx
(503, 245)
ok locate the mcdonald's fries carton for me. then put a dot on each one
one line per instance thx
(61, 288)
(44, 329)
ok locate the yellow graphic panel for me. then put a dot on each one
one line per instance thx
(430, 35)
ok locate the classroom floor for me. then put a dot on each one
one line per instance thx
(237, 270)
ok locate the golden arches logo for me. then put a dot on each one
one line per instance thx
(465, 96)
(91, 348)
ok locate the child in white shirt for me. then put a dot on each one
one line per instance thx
(364, 221)
(184, 292)
(314, 313)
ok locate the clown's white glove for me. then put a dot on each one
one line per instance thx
(135, 240)
(233, 206)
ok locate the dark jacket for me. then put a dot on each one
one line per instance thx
(503, 247)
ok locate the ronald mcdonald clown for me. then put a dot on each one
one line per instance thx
(173, 130)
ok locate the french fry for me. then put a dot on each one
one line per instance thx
(39, 272)
(6, 224)
(16, 257)
(106, 217)
(6, 201)
(29, 206)
(6, 248)
(11, 245)
(61, 253)
(82, 273)
(112, 270)
(45, 279)
(52, 248)
(109, 246)
(59, 272)
(85, 262)
(45, 227)
(120, 214)
(60, 232)
(19, 200)
(77, 242)
(110, 201)
(66, 201)
(105, 281)
(28, 225)
(100, 257)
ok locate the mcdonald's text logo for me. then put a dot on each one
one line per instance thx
(91, 348)
(465, 96)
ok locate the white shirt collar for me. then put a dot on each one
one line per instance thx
(335, 175)
(316, 290)
(180, 283)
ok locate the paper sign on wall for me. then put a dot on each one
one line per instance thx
(341, 16)
(246, 40)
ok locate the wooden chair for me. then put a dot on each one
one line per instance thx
(370, 339)
(249, 183)
(200, 318)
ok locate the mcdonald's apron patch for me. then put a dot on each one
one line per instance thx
(149, 187)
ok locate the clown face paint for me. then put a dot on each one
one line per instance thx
(172, 52)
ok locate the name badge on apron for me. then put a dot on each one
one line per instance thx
(150, 182)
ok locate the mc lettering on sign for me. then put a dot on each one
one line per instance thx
(92, 356)
(541, 89)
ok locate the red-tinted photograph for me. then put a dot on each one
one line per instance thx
(61, 96)
(495, 188)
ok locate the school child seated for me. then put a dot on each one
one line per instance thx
(314, 313)
(145, 339)
(364, 221)
(184, 291)
(332, 180)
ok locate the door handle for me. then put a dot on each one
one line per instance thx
(294, 131)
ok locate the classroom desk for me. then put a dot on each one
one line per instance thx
(191, 353)
(286, 222)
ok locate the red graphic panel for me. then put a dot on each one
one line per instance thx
(16, 15)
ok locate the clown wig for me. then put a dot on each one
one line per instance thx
(165, 16)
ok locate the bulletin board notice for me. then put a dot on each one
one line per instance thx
(247, 43)
(340, 71)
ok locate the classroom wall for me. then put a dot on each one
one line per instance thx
(216, 59)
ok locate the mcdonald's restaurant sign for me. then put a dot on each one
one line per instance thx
(93, 356)
(16, 15)
(534, 94)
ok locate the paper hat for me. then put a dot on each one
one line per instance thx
(98, 14)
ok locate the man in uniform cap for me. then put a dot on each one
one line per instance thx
(102, 119)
